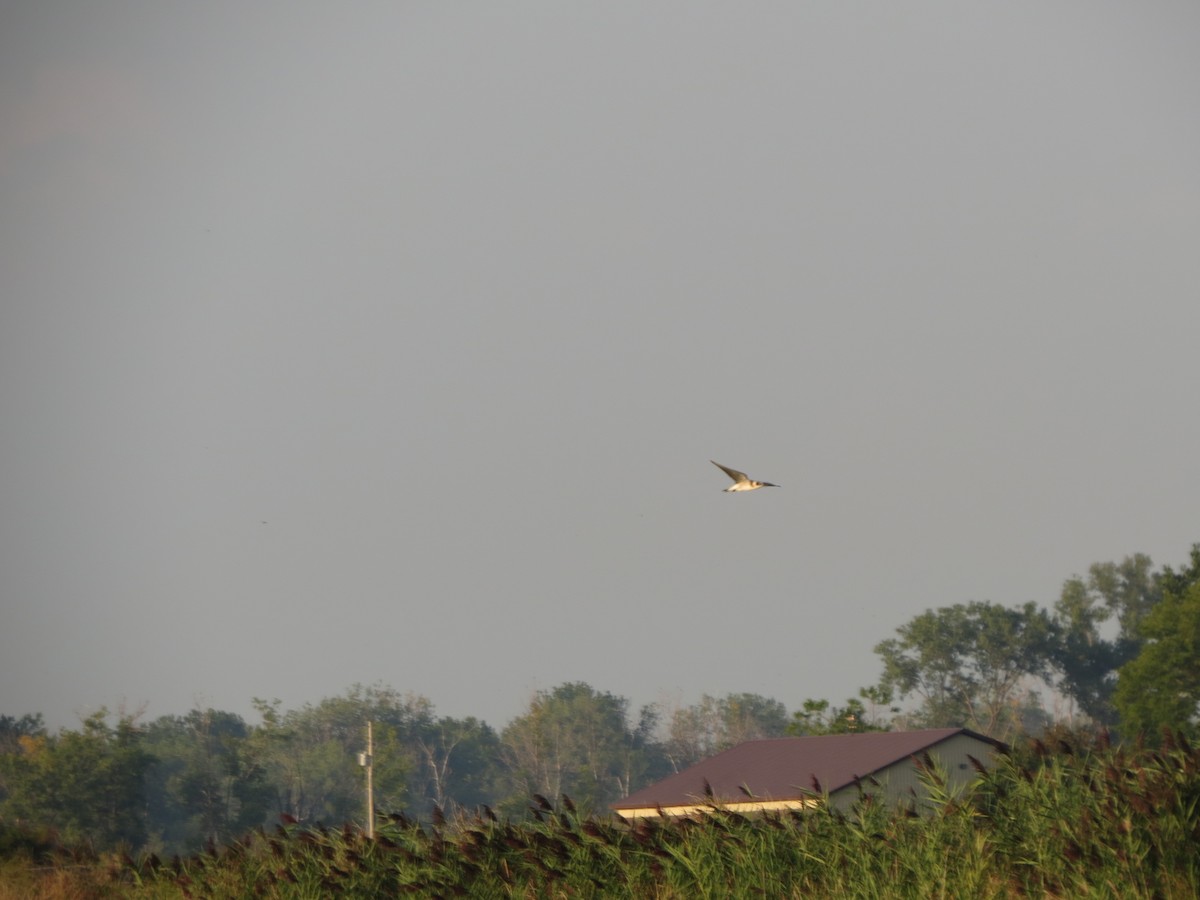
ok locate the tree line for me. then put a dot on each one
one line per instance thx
(1117, 650)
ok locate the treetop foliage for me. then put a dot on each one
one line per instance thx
(1105, 647)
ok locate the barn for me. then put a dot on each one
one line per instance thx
(801, 772)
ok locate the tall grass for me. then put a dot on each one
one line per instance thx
(1056, 821)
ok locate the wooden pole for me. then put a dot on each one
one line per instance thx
(370, 787)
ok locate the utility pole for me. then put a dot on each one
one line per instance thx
(366, 759)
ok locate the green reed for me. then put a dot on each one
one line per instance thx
(1057, 820)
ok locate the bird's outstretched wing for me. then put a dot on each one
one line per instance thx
(732, 473)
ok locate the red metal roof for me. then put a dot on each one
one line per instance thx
(784, 768)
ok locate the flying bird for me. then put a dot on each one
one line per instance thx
(741, 482)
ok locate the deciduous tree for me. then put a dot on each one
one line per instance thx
(718, 723)
(457, 764)
(88, 785)
(577, 741)
(206, 784)
(1160, 687)
(311, 754)
(1086, 660)
(819, 717)
(966, 662)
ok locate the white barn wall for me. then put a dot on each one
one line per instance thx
(901, 779)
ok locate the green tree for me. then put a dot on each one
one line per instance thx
(15, 735)
(819, 717)
(1085, 659)
(206, 784)
(715, 724)
(311, 754)
(13, 729)
(1177, 583)
(88, 785)
(577, 741)
(966, 663)
(457, 764)
(1160, 687)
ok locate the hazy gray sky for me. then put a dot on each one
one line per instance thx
(390, 341)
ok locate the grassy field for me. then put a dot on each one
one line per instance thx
(1059, 821)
